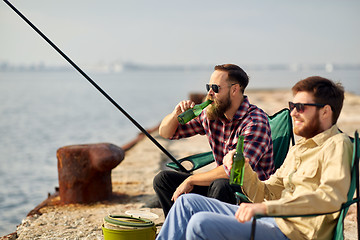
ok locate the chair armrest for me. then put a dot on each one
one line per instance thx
(241, 198)
(195, 161)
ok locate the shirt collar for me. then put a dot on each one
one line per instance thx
(242, 110)
(320, 138)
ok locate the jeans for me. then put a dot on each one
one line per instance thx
(197, 217)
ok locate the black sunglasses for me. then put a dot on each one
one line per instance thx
(300, 107)
(215, 87)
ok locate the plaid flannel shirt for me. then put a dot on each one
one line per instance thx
(249, 121)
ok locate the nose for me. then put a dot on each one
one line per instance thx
(211, 92)
(293, 112)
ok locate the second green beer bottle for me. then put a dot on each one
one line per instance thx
(192, 112)
(237, 169)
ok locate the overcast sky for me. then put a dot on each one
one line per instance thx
(183, 32)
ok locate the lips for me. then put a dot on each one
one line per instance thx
(298, 123)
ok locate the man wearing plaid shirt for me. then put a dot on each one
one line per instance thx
(229, 116)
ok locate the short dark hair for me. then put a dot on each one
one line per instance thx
(325, 92)
(235, 73)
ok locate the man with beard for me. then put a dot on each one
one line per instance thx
(314, 178)
(228, 117)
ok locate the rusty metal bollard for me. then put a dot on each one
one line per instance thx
(85, 171)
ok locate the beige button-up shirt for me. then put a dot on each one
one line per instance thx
(314, 178)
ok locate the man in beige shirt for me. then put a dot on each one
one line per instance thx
(314, 178)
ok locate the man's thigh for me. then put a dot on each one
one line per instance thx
(209, 225)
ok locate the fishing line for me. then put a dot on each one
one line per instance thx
(97, 87)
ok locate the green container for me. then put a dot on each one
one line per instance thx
(237, 169)
(127, 228)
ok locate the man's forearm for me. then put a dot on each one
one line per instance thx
(205, 178)
(168, 126)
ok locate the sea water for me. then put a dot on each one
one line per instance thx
(43, 111)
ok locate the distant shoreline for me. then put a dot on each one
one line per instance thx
(115, 67)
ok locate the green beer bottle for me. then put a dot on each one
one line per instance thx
(237, 169)
(192, 112)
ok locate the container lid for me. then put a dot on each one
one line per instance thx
(142, 214)
(128, 221)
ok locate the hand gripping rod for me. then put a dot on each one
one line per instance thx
(97, 87)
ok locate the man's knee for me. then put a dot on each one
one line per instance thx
(162, 179)
(190, 202)
(158, 179)
(190, 199)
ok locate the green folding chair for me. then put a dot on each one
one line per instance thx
(339, 230)
(281, 134)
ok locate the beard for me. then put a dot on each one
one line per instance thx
(218, 108)
(310, 129)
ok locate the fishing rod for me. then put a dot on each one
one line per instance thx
(97, 87)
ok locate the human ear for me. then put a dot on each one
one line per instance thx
(236, 88)
(327, 111)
